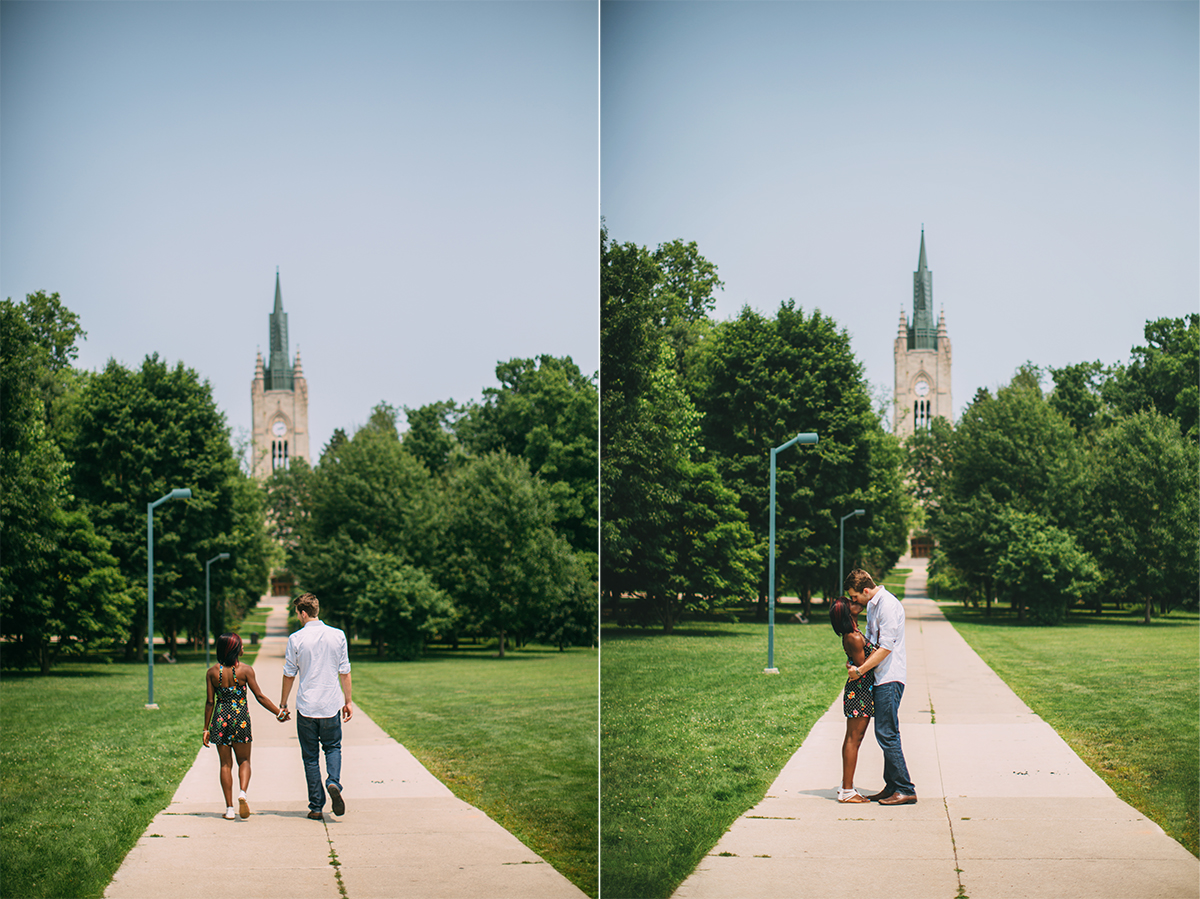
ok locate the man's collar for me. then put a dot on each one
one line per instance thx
(312, 621)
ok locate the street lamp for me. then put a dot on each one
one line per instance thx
(842, 546)
(208, 604)
(178, 493)
(771, 669)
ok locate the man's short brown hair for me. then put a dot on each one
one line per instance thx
(308, 604)
(857, 581)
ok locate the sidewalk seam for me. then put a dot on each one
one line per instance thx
(937, 749)
(336, 863)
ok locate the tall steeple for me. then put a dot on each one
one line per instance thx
(279, 374)
(922, 335)
(278, 400)
(922, 353)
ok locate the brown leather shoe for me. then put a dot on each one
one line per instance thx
(316, 816)
(882, 794)
(899, 799)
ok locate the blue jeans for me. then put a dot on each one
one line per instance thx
(887, 734)
(314, 734)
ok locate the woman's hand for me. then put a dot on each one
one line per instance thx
(204, 738)
(855, 674)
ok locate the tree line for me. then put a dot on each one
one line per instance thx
(1084, 493)
(479, 521)
(691, 408)
(1087, 493)
(476, 522)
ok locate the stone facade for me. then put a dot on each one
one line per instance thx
(922, 385)
(278, 402)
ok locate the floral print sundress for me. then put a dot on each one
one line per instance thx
(857, 700)
(231, 716)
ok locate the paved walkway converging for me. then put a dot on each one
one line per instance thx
(403, 834)
(1006, 808)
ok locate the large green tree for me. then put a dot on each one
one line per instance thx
(545, 410)
(1164, 374)
(1012, 452)
(503, 562)
(430, 436)
(658, 495)
(1042, 567)
(134, 436)
(366, 493)
(762, 381)
(1141, 515)
(60, 589)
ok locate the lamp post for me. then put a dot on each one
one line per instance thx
(810, 439)
(208, 605)
(178, 493)
(842, 546)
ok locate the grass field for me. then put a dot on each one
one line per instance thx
(84, 766)
(515, 737)
(692, 735)
(1125, 697)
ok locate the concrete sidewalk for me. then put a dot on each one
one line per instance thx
(1006, 809)
(403, 834)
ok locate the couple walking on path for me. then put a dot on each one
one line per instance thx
(406, 833)
(318, 656)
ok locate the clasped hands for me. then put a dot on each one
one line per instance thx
(285, 714)
(853, 671)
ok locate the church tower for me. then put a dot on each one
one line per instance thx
(922, 360)
(278, 402)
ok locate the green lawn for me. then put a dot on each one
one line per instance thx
(692, 735)
(1125, 697)
(895, 582)
(515, 737)
(84, 767)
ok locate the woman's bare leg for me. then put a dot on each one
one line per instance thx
(225, 754)
(242, 751)
(856, 729)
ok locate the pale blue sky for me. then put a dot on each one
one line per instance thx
(1050, 149)
(423, 174)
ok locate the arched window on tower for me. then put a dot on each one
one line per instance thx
(922, 419)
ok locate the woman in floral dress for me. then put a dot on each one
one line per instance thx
(857, 702)
(227, 717)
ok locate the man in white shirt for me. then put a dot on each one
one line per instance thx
(885, 628)
(319, 656)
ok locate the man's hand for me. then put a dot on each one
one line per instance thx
(347, 712)
(284, 715)
(855, 674)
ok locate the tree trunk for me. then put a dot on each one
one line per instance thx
(136, 644)
(667, 615)
(806, 604)
(44, 656)
(502, 644)
(1146, 620)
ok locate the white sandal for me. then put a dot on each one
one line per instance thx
(230, 814)
(851, 795)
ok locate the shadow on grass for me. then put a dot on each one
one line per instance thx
(12, 674)
(638, 633)
(1005, 617)
(367, 654)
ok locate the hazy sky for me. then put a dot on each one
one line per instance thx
(1049, 149)
(423, 175)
